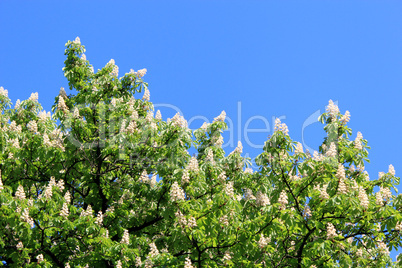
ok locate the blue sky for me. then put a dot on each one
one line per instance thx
(256, 60)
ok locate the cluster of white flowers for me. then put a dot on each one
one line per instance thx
(139, 73)
(248, 171)
(3, 92)
(364, 201)
(204, 126)
(181, 220)
(126, 238)
(32, 126)
(299, 148)
(158, 115)
(138, 261)
(398, 226)
(229, 189)
(76, 113)
(331, 232)
(115, 71)
(248, 194)
(238, 149)
(20, 194)
(178, 121)
(283, 200)
(323, 191)
(358, 141)
(391, 170)
(220, 117)
(185, 178)
(144, 176)
(43, 116)
(281, 127)
(382, 247)
(176, 193)
(386, 193)
(147, 95)
(20, 245)
(153, 250)
(359, 252)
(317, 156)
(13, 127)
(307, 212)
(340, 174)
(332, 151)
(67, 197)
(83, 57)
(77, 41)
(191, 222)
(88, 212)
(262, 199)
(224, 220)
(349, 240)
(219, 141)
(26, 218)
(99, 218)
(64, 211)
(345, 118)
(193, 165)
(263, 242)
(210, 157)
(34, 97)
(332, 109)
(47, 194)
(222, 177)
(61, 105)
(39, 258)
(227, 256)
(379, 199)
(118, 264)
(17, 104)
(188, 263)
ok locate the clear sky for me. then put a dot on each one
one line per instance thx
(256, 60)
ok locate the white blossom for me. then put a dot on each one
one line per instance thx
(262, 199)
(283, 200)
(238, 149)
(391, 170)
(248, 194)
(26, 218)
(185, 177)
(77, 40)
(219, 141)
(331, 232)
(229, 189)
(386, 193)
(64, 211)
(263, 242)
(3, 92)
(158, 115)
(20, 194)
(20, 246)
(224, 220)
(364, 201)
(153, 250)
(332, 151)
(32, 126)
(299, 148)
(99, 218)
(379, 199)
(147, 95)
(220, 117)
(144, 176)
(39, 258)
(323, 192)
(188, 263)
(193, 165)
(332, 109)
(179, 121)
(34, 97)
(358, 141)
(138, 261)
(345, 118)
(67, 197)
(126, 238)
(176, 193)
(61, 105)
(282, 127)
(210, 156)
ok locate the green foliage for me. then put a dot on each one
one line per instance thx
(112, 185)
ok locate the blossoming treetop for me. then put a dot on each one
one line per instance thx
(113, 185)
